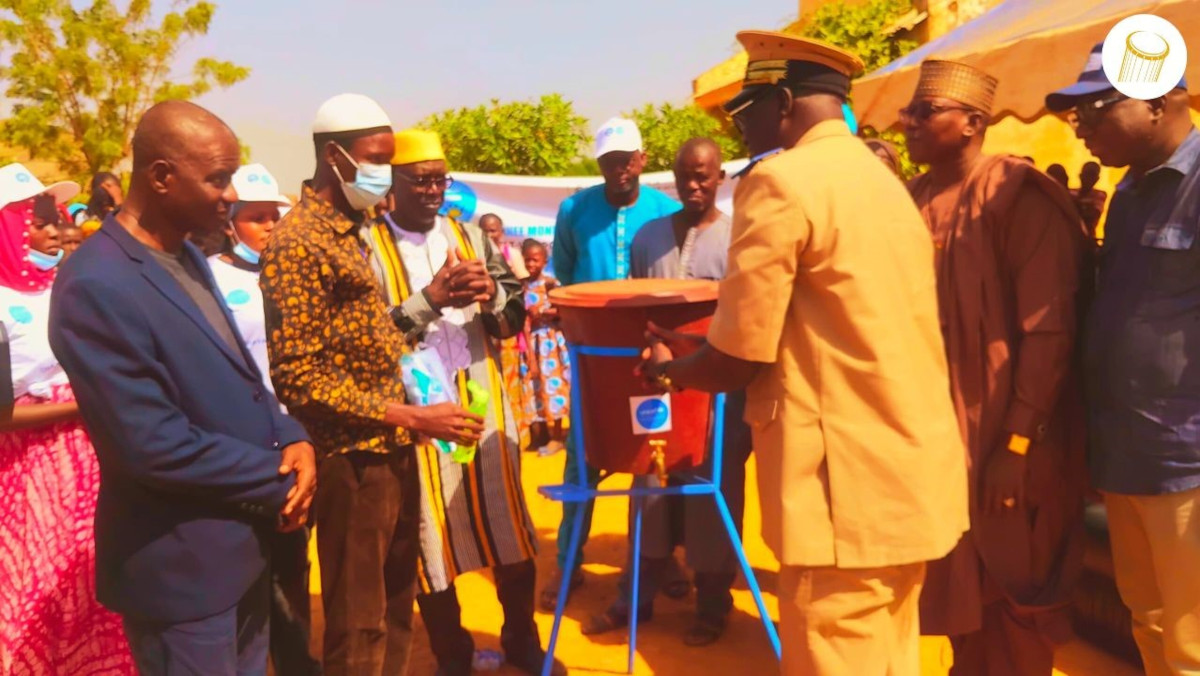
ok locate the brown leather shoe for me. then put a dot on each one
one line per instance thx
(548, 598)
(612, 620)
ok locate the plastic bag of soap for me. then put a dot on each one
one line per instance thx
(426, 384)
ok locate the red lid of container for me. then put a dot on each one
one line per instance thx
(635, 293)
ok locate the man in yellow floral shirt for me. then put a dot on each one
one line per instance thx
(335, 363)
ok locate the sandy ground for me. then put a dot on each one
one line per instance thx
(744, 648)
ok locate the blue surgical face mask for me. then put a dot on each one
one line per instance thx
(371, 183)
(45, 262)
(245, 253)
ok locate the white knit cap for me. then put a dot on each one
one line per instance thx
(349, 112)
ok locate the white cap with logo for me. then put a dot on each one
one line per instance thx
(349, 112)
(618, 135)
(254, 183)
(18, 184)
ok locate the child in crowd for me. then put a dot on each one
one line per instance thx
(71, 236)
(548, 384)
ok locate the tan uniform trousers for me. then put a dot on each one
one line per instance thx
(1156, 557)
(843, 622)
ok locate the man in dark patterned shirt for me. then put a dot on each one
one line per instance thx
(335, 363)
(1141, 347)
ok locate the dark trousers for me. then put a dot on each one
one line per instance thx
(714, 600)
(230, 643)
(367, 510)
(290, 617)
(709, 552)
(453, 645)
(569, 509)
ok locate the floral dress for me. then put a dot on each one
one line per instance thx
(549, 381)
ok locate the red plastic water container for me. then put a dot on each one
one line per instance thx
(620, 415)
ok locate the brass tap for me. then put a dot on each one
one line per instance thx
(658, 454)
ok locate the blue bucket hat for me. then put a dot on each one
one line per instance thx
(1091, 81)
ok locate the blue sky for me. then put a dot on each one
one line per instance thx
(417, 57)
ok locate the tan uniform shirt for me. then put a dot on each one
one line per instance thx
(831, 282)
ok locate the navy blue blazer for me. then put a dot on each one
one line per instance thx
(189, 440)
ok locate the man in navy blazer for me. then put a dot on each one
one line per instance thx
(197, 463)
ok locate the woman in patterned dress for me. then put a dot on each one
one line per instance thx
(50, 621)
(513, 361)
(549, 381)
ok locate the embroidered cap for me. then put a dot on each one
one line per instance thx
(958, 82)
(775, 58)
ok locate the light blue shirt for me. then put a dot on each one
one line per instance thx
(592, 237)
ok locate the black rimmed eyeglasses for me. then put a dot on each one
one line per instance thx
(1091, 112)
(427, 182)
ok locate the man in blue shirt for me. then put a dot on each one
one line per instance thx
(592, 235)
(1141, 344)
(596, 226)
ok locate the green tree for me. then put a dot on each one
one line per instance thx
(908, 168)
(523, 138)
(666, 127)
(80, 78)
(865, 29)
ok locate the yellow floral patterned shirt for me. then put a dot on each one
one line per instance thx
(334, 351)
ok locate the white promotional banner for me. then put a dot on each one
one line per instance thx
(528, 205)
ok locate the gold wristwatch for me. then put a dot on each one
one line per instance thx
(1018, 444)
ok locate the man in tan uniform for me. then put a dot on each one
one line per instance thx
(829, 317)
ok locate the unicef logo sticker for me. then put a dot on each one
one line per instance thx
(1144, 56)
(651, 414)
(24, 177)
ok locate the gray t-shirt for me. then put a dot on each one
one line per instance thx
(184, 271)
(655, 253)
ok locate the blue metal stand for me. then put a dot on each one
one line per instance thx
(582, 492)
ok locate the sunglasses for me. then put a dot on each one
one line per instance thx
(921, 112)
(1091, 112)
(738, 115)
(427, 182)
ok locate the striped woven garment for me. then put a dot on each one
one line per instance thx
(474, 515)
